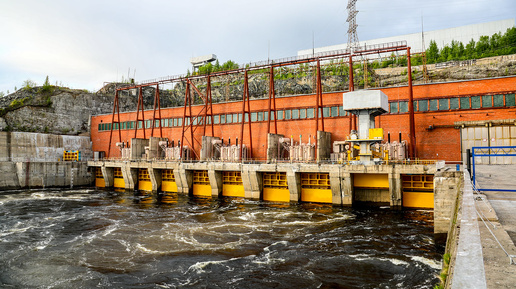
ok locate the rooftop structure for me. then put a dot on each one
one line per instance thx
(202, 60)
(442, 37)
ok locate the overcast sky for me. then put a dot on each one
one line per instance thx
(82, 44)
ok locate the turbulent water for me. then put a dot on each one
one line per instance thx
(105, 239)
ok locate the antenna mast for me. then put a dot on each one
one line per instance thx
(352, 28)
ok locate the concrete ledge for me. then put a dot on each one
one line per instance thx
(468, 270)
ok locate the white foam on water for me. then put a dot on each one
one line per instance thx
(431, 263)
(364, 257)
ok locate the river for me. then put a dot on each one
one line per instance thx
(87, 238)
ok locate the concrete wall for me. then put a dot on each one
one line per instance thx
(19, 175)
(38, 147)
(447, 186)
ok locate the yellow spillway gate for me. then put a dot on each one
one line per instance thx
(418, 191)
(371, 188)
(144, 182)
(168, 181)
(232, 185)
(315, 187)
(99, 178)
(118, 178)
(275, 187)
(201, 184)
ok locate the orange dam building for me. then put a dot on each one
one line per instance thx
(449, 118)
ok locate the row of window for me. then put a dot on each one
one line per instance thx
(466, 102)
(454, 103)
(285, 114)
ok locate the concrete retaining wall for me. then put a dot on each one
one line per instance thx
(38, 147)
(29, 160)
(19, 175)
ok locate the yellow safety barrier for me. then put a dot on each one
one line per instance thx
(418, 191)
(371, 181)
(232, 185)
(71, 156)
(275, 187)
(201, 184)
(168, 181)
(144, 182)
(118, 178)
(99, 178)
(315, 187)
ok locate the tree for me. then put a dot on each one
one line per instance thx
(29, 84)
(2, 94)
(470, 52)
(482, 46)
(432, 52)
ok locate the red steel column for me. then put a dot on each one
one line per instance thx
(272, 103)
(413, 151)
(245, 99)
(116, 108)
(352, 125)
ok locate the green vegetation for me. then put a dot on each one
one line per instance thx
(444, 272)
(486, 46)
(29, 84)
(47, 87)
(210, 68)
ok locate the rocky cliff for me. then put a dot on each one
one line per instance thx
(58, 110)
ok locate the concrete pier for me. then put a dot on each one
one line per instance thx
(348, 184)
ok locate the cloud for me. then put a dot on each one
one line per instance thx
(84, 43)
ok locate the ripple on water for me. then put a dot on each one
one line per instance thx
(86, 238)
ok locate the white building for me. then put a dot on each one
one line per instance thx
(442, 37)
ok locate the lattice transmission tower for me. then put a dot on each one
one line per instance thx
(352, 27)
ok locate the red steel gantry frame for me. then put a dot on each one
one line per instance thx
(201, 118)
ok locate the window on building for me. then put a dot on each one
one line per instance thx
(487, 101)
(235, 118)
(454, 103)
(240, 118)
(423, 105)
(334, 111)
(433, 104)
(288, 114)
(310, 113)
(140, 124)
(100, 126)
(464, 103)
(222, 118)
(280, 114)
(403, 106)
(342, 112)
(475, 102)
(510, 100)
(156, 123)
(393, 107)
(254, 116)
(229, 118)
(180, 121)
(498, 100)
(326, 111)
(260, 115)
(302, 113)
(216, 119)
(295, 114)
(444, 104)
